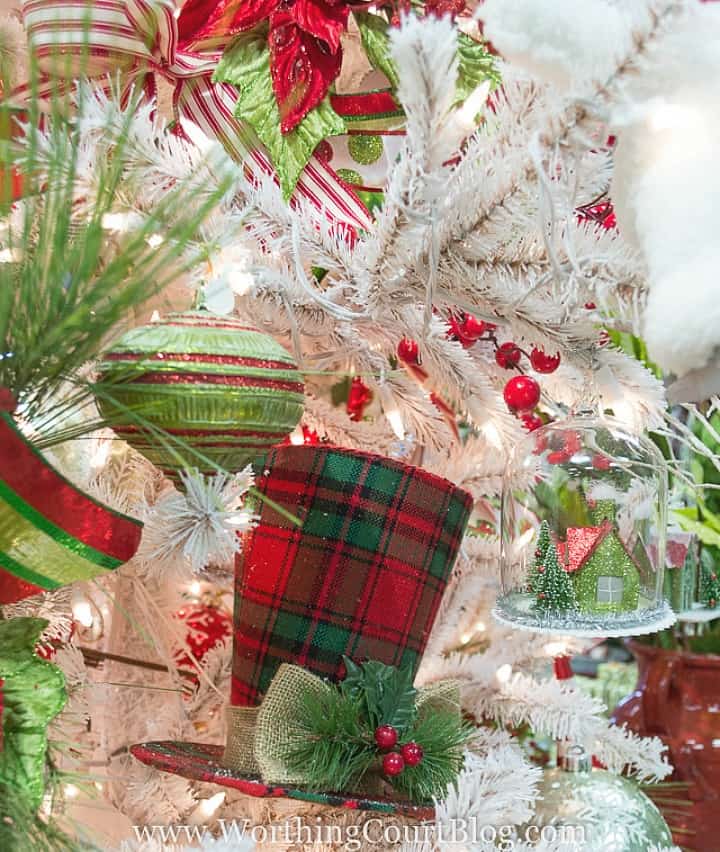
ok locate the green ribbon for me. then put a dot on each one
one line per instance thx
(259, 739)
(33, 693)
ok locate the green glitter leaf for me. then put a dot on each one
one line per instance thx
(246, 65)
(376, 43)
(475, 66)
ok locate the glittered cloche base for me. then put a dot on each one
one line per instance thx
(514, 610)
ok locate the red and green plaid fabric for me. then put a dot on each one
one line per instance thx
(363, 576)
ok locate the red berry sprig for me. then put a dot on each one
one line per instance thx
(467, 329)
(412, 754)
(386, 737)
(522, 393)
(393, 764)
(393, 761)
(508, 355)
(359, 398)
(543, 363)
(408, 351)
(531, 422)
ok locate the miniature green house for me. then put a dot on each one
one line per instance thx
(606, 577)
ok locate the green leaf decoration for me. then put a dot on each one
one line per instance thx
(246, 65)
(475, 66)
(18, 637)
(387, 692)
(706, 534)
(376, 42)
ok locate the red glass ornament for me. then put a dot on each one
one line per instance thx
(207, 626)
(522, 393)
(393, 764)
(590, 306)
(543, 363)
(358, 399)
(386, 737)
(508, 355)
(408, 351)
(558, 457)
(531, 422)
(412, 754)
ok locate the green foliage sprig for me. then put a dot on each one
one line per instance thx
(67, 276)
(335, 745)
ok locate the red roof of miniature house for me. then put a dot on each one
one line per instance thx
(580, 544)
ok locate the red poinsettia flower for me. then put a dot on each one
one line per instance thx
(304, 41)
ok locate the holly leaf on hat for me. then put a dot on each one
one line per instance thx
(246, 65)
(475, 66)
(376, 42)
(387, 693)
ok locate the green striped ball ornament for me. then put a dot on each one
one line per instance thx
(221, 388)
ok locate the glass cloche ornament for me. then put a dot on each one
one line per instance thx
(583, 531)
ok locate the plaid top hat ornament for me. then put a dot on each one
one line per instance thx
(331, 620)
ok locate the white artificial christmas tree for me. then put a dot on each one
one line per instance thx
(483, 223)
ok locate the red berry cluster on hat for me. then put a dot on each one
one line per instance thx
(394, 761)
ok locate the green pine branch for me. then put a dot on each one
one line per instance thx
(332, 746)
(67, 280)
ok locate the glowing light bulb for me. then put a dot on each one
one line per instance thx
(195, 588)
(480, 627)
(101, 454)
(71, 791)
(155, 240)
(121, 222)
(297, 436)
(206, 809)
(555, 649)
(504, 673)
(396, 422)
(82, 612)
(490, 431)
(525, 539)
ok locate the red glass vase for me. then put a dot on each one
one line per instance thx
(677, 698)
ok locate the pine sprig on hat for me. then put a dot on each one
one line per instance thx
(370, 726)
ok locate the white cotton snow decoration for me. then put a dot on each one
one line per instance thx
(666, 190)
(560, 41)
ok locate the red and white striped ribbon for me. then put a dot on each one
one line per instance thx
(140, 39)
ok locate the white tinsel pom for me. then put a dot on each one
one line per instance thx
(559, 41)
(666, 190)
(199, 527)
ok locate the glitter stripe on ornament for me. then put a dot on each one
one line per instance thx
(200, 357)
(216, 379)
